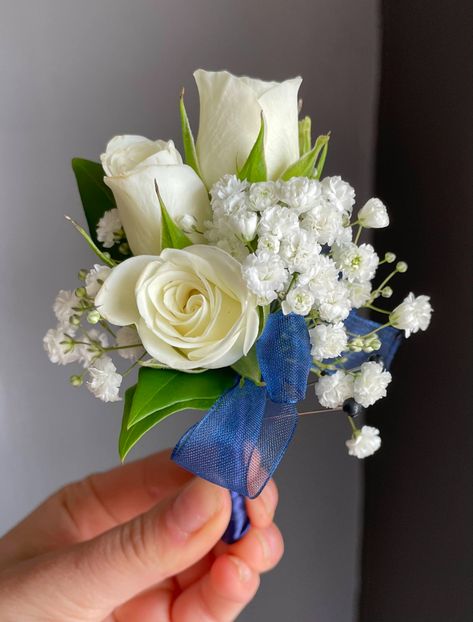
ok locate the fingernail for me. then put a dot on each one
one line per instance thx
(194, 507)
(244, 572)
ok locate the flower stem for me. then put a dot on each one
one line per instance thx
(358, 233)
(132, 345)
(105, 325)
(376, 330)
(355, 430)
(378, 309)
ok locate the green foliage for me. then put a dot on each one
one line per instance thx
(247, 367)
(305, 138)
(254, 168)
(171, 235)
(319, 165)
(305, 165)
(162, 392)
(96, 197)
(190, 153)
(100, 254)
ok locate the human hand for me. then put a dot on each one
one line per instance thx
(139, 543)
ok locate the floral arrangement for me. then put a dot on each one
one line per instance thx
(227, 279)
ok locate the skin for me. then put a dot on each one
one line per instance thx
(139, 543)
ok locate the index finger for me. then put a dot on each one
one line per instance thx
(84, 509)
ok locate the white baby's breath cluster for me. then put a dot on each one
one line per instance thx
(298, 243)
(83, 337)
(110, 232)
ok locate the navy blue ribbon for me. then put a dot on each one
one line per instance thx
(240, 441)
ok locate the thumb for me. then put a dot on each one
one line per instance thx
(98, 575)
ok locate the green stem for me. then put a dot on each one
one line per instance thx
(378, 309)
(358, 233)
(105, 325)
(353, 426)
(376, 330)
(133, 345)
(293, 280)
(135, 364)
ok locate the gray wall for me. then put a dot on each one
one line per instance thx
(72, 75)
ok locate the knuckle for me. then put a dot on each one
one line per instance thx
(137, 541)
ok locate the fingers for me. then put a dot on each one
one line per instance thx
(261, 510)
(84, 509)
(98, 575)
(261, 549)
(220, 595)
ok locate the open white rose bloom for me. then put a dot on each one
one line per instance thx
(227, 268)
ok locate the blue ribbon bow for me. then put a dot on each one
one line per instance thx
(240, 441)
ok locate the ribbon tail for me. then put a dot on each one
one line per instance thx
(240, 441)
(239, 521)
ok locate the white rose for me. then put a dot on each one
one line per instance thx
(230, 119)
(132, 164)
(191, 307)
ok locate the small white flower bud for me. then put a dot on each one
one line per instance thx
(356, 344)
(74, 320)
(187, 223)
(386, 292)
(81, 292)
(93, 317)
(389, 257)
(401, 266)
(124, 249)
(82, 274)
(76, 381)
(375, 343)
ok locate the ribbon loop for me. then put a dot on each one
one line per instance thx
(240, 441)
(284, 358)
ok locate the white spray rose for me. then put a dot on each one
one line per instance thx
(230, 119)
(132, 164)
(191, 307)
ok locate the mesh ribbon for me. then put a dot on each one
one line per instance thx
(240, 441)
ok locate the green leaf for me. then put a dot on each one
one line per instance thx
(319, 165)
(305, 139)
(190, 153)
(159, 389)
(171, 235)
(130, 436)
(304, 166)
(104, 257)
(96, 197)
(254, 168)
(248, 367)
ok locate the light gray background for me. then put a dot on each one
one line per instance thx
(72, 75)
